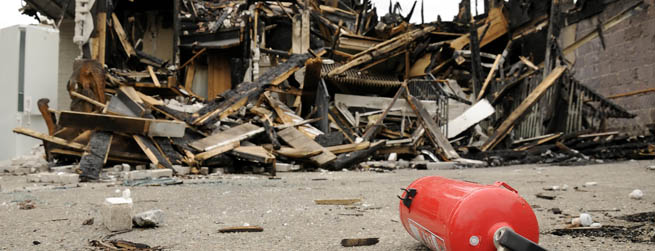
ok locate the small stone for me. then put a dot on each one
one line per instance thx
(126, 167)
(140, 167)
(651, 168)
(636, 194)
(596, 225)
(204, 170)
(88, 222)
(590, 184)
(152, 218)
(585, 219)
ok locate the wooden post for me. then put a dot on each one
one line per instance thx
(101, 28)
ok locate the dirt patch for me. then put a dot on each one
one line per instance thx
(639, 217)
(641, 233)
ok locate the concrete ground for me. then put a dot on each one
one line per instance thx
(285, 208)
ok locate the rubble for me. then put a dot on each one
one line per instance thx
(151, 218)
(117, 212)
(256, 86)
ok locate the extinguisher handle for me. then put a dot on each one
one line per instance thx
(409, 196)
(505, 185)
(510, 240)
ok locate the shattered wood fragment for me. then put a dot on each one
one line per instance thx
(87, 99)
(254, 153)
(300, 141)
(491, 74)
(168, 151)
(432, 129)
(534, 96)
(359, 242)
(241, 229)
(209, 114)
(48, 117)
(539, 142)
(498, 26)
(234, 134)
(348, 160)
(94, 121)
(348, 148)
(337, 202)
(120, 32)
(116, 106)
(216, 151)
(151, 150)
(381, 49)
(272, 135)
(48, 138)
(131, 99)
(372, 130)
(153, 76)
(287, 116)
(295, 153)
(379, 103)
(95, 157)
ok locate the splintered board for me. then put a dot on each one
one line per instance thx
(300, 141)
(254, 153)
(95, 156)
(287, 116)
(234, 134)
(432, 129)
(113, 123)
(533, 97)
(151, 150)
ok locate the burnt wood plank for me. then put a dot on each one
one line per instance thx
(95, 157)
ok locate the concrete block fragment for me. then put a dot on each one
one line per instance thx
(117, 214)
(285, 167)
(137, 175)
(63, 169)
(48, 177)
(182, 170)
(68, 178)
(152, 218)
(161, 173)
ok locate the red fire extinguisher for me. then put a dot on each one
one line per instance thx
(450, 215)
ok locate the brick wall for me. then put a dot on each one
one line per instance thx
(627, 64)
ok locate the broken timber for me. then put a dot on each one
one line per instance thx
(299, 140)
(227, 137)
(95, 157)
(104, 122)
(432, 129)
(508, 123)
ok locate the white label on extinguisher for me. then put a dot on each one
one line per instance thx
(424, 235)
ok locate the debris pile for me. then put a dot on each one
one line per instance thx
(251, 85)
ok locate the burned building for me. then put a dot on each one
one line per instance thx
(251, 84)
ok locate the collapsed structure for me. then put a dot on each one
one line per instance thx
(329, 84)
